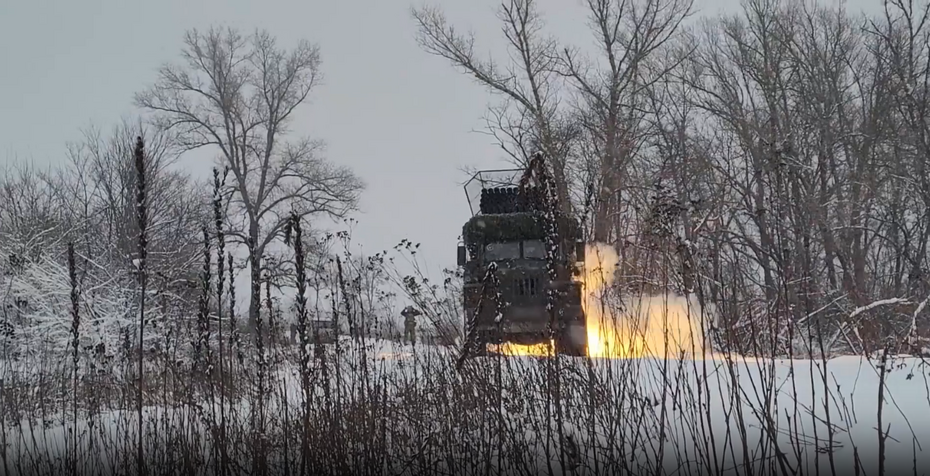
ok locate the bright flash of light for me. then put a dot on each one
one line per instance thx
(511, 349)
(640, 326)
(656, 326)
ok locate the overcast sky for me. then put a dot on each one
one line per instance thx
(404, 120)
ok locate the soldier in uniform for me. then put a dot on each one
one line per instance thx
(410, 324)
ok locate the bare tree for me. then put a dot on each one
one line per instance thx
(530, 117)
(902, 47)
(630, 35)
(102, 174)
(90, 201)
(29, 210)
(808, 140)
(238, 94)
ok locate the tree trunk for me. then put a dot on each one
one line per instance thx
(255, 281)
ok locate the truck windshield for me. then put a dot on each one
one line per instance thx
(499, 251)
(534, 249)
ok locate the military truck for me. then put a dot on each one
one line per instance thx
(504, 262)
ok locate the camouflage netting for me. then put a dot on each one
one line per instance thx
(484, 229)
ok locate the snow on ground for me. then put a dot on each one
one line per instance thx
(719, 413)
(827, 413)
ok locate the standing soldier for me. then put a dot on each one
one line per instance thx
(410, 324)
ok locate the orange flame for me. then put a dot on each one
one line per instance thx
(650, 326)
(511, 349)
(655, 326)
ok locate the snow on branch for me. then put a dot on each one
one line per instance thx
(879, 303)
(920, 308)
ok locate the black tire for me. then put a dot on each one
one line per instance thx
(571, 349)
(479, 347)
(566, 346)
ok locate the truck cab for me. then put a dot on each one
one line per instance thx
(507, 235)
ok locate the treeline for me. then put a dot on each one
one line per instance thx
(233, 94)
(773, 161)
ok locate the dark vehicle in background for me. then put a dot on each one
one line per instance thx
(320, 331)
(507, 237)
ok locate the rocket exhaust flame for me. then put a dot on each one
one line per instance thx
(645, 326)
(511, 349)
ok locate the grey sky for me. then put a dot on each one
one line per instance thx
(401, 118)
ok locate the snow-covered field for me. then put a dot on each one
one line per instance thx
(708, 415)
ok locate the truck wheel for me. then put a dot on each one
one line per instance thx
(573, 341)
(480, 347)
